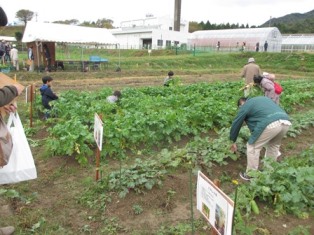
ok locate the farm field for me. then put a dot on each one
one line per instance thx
(155, 140)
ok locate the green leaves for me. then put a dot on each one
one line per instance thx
(150, 117)
(287, 185)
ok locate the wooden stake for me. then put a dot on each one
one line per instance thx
(31, 106)
(97, 163)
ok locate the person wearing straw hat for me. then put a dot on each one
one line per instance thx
(249, 70)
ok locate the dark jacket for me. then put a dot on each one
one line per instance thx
(47, 95)
(7, 94)
(257, 113)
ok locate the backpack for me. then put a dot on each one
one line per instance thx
(278, 88)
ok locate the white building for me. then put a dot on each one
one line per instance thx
(151, 33)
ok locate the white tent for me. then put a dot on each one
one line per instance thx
(50, 32)
(8, 39)
(37, 33)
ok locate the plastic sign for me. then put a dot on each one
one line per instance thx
(98, 131)
(30, 93)
(214, 205)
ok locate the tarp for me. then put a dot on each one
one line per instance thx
(50, 32)
(8, 39)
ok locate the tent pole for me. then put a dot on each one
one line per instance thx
(119, 56)
(83, 66)
(37, 52)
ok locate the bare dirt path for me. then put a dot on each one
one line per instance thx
(119, 81)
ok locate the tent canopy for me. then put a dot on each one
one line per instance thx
(8, 39)
(50, 32)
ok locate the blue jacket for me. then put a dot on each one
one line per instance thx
(47, 95)
(257, 113)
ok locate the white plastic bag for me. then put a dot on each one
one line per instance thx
(21, 166)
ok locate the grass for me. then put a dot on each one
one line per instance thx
(137, 63)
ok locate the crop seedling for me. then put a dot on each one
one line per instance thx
(137, 209)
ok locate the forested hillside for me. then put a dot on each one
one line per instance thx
(292, 23)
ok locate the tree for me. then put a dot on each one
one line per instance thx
(104, 23)
(24, 15)
(194, 26)
(71, 22)
(18, 36)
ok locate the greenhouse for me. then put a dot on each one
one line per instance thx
(298, 42)
(247, 39)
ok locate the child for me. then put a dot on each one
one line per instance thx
(114, 97)
(168, 79)
(46, 94)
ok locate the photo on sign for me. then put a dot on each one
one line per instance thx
(220, 219)
(205, 210)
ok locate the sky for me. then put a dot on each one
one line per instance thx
(252, 12)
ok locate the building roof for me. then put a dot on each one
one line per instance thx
(50, 32)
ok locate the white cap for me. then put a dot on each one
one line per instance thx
(251, 60)
(265, 74)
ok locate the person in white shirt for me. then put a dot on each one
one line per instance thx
(14, 54)
(114, 97)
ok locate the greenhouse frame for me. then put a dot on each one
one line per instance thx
(297, 42)
(236, 39)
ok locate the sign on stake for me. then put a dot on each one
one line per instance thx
(214, 205)
(98, 134)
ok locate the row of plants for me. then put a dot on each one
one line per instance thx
(202, 154)
(150, 116)
(286, 186)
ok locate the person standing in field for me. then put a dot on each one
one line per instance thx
(47, 95)
(268, 124)
(265, 46)
(257, 47)
(30, 56)
(14, 54)
(218, 45)
(249, 70)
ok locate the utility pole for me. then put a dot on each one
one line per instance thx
(269, 21)
(177, 15)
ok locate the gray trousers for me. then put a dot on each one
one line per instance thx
(271, 140)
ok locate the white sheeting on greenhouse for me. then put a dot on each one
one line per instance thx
(298, 42)
(8, 39)
(230, 38)
(298, 39)
(50, 32)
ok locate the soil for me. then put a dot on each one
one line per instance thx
(60, 179)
